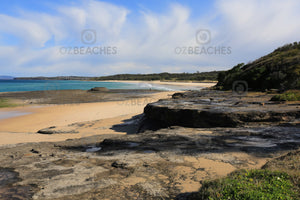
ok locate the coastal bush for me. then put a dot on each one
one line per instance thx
(250, 185)
(198, 76)
(287, 96)
(277, 70)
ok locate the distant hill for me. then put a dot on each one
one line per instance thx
(54, 78)
(277, 70)
(199, 76)
(6, 77)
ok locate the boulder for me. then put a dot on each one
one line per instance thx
(99, 89)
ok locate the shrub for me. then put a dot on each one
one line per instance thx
(277, 70)
(287, 96)
(250, 185)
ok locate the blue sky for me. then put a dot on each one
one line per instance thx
(42, 38)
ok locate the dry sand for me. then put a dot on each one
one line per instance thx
(23, 129)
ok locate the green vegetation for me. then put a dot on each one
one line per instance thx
(277, 70)
(289, 164)
(250, 185)
(291, 95)
(278, 179)
(199, 76)
(5, 103)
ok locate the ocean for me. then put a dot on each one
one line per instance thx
(41, 85)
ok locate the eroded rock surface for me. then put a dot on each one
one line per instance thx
(163, 164)
(220, 109)
(167, 163)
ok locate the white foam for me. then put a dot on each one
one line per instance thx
(154, 87)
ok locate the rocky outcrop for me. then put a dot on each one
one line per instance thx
(56, 130)
(168, 163)
(219, 109)
(164, 164)
(99, 89)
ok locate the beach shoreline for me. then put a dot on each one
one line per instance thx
(60, 108)
(105, 146)
(174, 83)
(24, 128)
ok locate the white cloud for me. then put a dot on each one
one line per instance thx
(147, 43)
(260, 24)
(30, 32)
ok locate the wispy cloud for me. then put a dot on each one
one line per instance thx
(146, 42)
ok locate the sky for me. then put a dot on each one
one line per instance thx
(97, 38)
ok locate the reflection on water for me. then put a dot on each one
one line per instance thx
(93, 149)
(10, 114)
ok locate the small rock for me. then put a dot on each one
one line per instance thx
(237, 103)
(55, 130)
(47, 130)
(117, 164)
(177, 95)
(34, 151)
(99, 89)
(146, 165)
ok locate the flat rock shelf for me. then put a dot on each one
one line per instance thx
(221, 109)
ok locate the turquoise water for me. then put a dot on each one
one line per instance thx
(40, 85)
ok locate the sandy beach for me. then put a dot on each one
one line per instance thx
(194, 84)
(80, 121)
(69, 107)
(22, 129)
(149, 100)
(77, 144)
